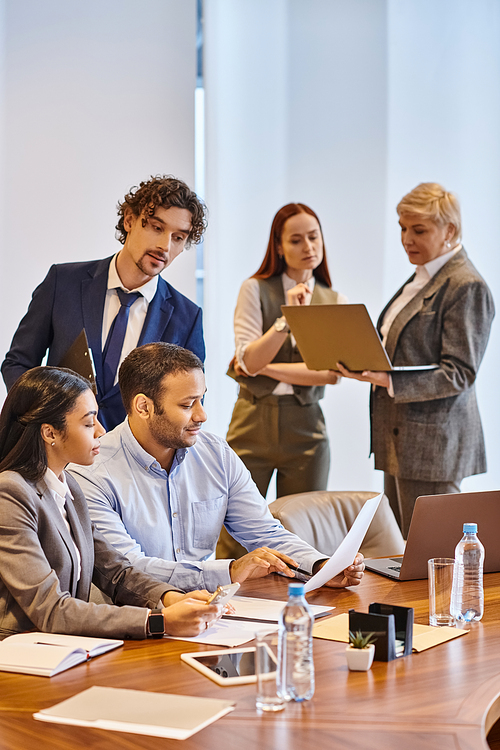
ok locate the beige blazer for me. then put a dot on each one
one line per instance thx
(38, 568)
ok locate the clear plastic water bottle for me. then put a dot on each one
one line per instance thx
(295, 649)
(467, 595)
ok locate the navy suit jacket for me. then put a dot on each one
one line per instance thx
(71, 297)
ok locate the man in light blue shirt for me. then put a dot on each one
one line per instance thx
(161, 490)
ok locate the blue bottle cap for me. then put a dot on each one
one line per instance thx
(470, 528)
(295, 589)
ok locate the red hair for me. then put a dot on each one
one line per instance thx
(274, 264)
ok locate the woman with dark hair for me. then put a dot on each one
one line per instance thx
(277, 422)
(49, 552)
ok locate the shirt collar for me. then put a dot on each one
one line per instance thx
(289, 283)
(143, 458)
(55, 484)
(148, 290)
(433, 266)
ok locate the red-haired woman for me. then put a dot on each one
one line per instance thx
(277, 422)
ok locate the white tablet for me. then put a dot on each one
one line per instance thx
(230, 666)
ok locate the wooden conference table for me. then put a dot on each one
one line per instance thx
(446, 697)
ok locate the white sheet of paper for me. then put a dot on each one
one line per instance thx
(265, 610)
(346, 552)
(229, 633)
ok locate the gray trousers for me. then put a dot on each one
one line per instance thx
(402, 494)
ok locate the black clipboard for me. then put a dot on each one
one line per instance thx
(79, 359)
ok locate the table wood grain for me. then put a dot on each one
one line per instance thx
(447, 697)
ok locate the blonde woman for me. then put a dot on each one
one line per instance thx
(426, 431)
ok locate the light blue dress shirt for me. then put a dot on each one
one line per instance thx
(168, 523)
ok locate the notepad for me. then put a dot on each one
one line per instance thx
(137, 711)
(47, 654)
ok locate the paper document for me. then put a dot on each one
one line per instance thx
(137, 711)
(266, 610)
(346, 552)
(229, 633)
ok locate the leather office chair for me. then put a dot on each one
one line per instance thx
(323, 518)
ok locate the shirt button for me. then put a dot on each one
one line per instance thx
(395, 431)
(177, 550)
(175, 515)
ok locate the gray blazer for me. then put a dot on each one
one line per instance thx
(38, 565)
(431, 429)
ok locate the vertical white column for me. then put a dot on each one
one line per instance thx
(245, 85)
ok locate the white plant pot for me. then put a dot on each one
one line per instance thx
(360, 659)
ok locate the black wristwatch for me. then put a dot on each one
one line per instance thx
(156, 624)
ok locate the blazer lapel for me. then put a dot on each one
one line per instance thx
(159, 313)
(93, 299)
(83, 585)
(415, 305)
(58, 521)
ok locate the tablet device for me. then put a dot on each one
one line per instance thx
(327, 334)
(234, 666)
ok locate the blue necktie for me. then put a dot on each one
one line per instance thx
(116, 337)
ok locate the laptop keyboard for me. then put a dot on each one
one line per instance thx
(396, 568)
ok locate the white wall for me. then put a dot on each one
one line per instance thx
(97, 95)
(347, 105)
(444, 126)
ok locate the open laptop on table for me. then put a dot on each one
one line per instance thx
(436, 528)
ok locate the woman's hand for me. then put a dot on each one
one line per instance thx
(367, 376)
(299, 295)
(237, 368)
(191, 615)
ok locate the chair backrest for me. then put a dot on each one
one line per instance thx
(323, 518)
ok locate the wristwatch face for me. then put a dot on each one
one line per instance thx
(156, 624)
(280, 324)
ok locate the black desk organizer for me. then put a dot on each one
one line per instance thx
(388, 624)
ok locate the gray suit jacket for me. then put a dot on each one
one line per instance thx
(38, 567)
(431, 429)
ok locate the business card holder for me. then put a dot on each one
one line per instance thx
(392, 627)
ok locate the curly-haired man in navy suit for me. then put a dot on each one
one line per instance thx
(157, 220)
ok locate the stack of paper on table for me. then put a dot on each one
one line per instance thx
(265, 610)
(251, 615)
(138, 712)
(424, 636)
(47, 654)
(230, 633)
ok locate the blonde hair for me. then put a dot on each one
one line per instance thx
(432, 201)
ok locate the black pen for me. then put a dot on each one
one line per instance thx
(299, 570)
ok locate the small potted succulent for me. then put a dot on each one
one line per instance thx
(360, 651)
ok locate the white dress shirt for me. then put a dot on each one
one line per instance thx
(423, 274)
(59, 490)
(137, 315)
(248, 323)
(168, 523)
